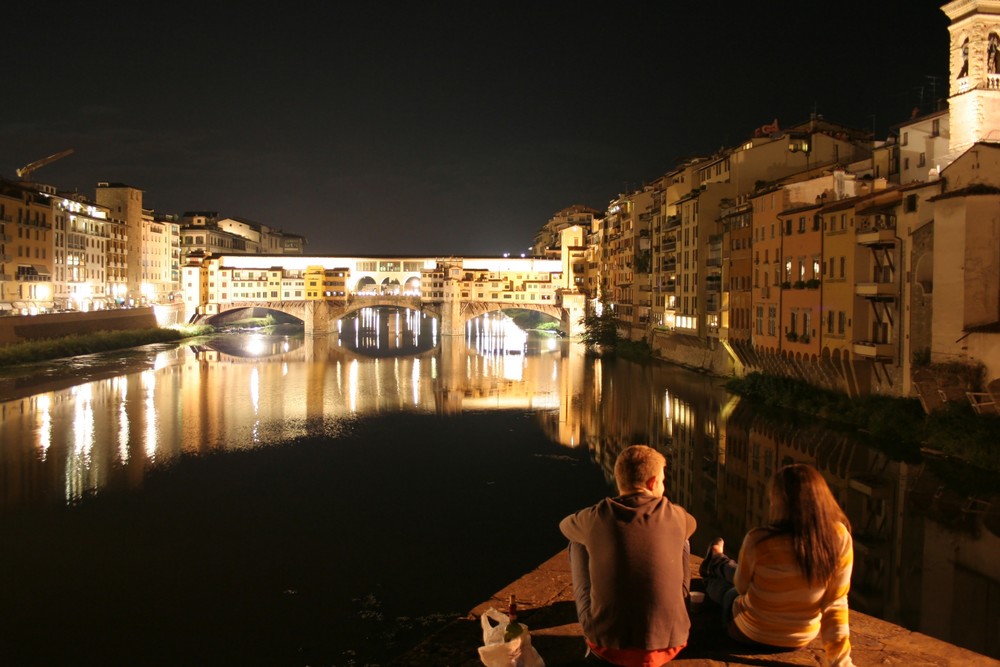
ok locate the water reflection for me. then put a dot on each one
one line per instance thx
(925, 544)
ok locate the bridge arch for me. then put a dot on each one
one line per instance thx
(473, 309)
(234, 312)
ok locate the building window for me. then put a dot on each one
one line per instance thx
(910, 204)
(922, 160)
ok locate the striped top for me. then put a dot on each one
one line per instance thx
(778, 606)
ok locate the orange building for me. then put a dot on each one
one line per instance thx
(801, 256)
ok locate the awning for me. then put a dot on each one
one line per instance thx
(42, 270)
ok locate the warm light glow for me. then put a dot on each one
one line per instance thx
(123, 428)
(149, 386)
(255, 345)
(352, 386)
(43, 405)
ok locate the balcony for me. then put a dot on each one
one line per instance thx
(673, 222)
(876, 291)
(875, 351)
(876, 237)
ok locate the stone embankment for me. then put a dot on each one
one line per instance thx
(16, 329)
(545, 600)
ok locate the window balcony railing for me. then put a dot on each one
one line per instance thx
(876, 290)
(873, 350)
(876, 236)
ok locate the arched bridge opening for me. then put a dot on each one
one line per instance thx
(236, 313)
(474, 309)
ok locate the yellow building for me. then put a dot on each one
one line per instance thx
(80, 240)
(26, 249)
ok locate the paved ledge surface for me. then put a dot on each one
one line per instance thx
(545, 605)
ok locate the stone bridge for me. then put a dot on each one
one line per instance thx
(320, 316)
(320, 290)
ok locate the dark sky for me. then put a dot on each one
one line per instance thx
(435, 127)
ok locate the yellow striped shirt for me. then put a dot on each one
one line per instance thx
(779, 607)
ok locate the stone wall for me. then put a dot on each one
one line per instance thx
(693, 353)
(16, 329)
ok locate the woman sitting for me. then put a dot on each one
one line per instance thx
(791, 580)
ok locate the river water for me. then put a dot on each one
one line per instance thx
(274, 499)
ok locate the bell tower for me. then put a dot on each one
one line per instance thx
(974, 72)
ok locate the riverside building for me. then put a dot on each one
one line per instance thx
(850, 240)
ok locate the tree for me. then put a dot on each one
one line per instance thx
(600, 327)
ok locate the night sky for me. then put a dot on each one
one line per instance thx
(435, 127)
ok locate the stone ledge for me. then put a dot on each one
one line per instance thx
(545, 597)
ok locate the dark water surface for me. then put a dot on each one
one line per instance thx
(322, 551)
(273, 500)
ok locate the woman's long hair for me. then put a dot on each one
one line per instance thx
(803, 508)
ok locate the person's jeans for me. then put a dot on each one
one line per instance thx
(717, 573)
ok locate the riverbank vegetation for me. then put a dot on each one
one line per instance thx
(899, 424)
(601, 336)
(98, 341)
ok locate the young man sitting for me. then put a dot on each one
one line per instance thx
(629, 561)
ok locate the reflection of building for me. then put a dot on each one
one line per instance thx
(924, 556)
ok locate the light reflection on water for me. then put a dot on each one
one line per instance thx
(925, 554)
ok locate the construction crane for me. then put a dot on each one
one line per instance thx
(25, 171)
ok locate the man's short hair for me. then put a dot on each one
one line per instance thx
(636, 465)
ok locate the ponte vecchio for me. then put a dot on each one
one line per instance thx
(319, 290)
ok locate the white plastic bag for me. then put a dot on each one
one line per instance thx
(495, 652)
